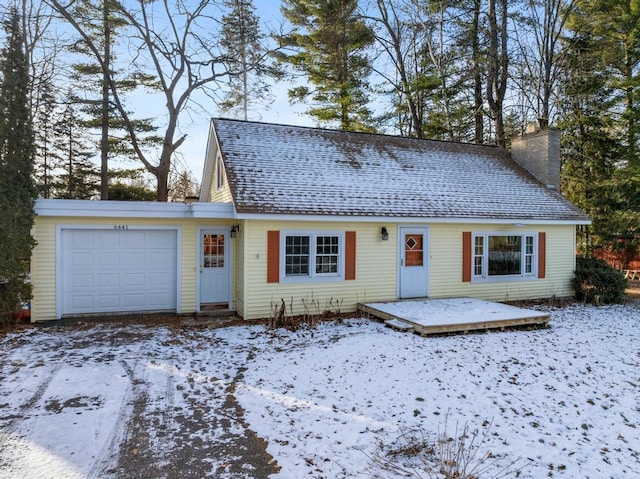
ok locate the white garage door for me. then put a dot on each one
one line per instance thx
(108, 270)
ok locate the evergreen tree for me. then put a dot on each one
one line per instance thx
(329, 49)
(103, 24)
(615, 28)
(589, 151)
(17, 191)
(243, 43)
(44, 124)
(78, 176)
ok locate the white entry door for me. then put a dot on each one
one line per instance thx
(214, 266)
(413, 255)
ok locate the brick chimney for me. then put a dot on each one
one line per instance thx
(539, 153)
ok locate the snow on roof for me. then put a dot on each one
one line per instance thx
(280, 169)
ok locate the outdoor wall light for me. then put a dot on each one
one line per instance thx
(384, 233)
(234, 230)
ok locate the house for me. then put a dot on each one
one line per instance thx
(322, 220)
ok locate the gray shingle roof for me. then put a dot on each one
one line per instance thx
(278, 169)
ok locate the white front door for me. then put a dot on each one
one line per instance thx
(413, 255)
(214, 266)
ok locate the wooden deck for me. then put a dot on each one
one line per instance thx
(453, 315)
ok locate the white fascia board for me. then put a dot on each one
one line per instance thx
(213, 210)
(209, 163)
(409, 220)
(132, 209)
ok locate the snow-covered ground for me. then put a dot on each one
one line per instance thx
(334, 402)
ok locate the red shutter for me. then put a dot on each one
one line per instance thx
(350, 255)
(542, 255)
(273, 256)
(466, 257)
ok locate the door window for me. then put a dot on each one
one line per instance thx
(213, 250)
(413, 250)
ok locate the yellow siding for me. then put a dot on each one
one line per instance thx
(219, 195)
(375, 271)
(222, 195)
(43, 271)
(445, 266)
(376, 267)
(239, 262)
(43, 260)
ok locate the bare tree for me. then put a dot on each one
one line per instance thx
(541, 55)
(393, 44)
(178, 43)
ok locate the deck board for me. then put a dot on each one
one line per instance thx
(454, 315)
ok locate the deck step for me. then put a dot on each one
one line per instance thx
(398, 325)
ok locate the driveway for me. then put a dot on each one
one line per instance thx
(159, 397)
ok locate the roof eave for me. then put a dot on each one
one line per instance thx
(411, 219)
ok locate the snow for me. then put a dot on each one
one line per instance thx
(330, 402)
(299, 170)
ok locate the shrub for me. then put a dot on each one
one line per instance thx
(462, 455)
(596, 282)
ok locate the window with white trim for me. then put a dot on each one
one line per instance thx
(219, 173)
(312, 255)
(499, 256)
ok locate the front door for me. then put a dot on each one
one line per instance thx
(214, 266)
(414, 272)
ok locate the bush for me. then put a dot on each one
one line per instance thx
(596, 282)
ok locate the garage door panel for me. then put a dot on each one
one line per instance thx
(136, 258)
(82, 240)
(83, 302)
(137, 239)
(134, 300)
(118, 271)
(160, 280)
(108, 280)
(82, 281)
(158, 300)
(82, 259)
(104, 239)
(108, 301)
(158, 258)
(134, 280)
(108, 259)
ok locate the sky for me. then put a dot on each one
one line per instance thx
(280, 111)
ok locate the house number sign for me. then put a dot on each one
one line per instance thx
(120, 227)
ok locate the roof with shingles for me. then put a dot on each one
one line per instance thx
(291, 170)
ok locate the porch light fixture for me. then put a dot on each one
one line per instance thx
(234, 230)
(384, 233)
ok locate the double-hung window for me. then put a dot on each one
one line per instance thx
(312, 255)
(504, 257)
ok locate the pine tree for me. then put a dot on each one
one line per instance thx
(78, 176)
(589, 151)
(243, 43)
(44, 121)
(329, 46)
(103, 25)
(17, 191)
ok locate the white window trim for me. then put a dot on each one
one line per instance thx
(219, 173)
(485, 278)
(312, 277)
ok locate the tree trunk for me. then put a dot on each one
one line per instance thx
(104, 140)
(478, 101)
(497, 67)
